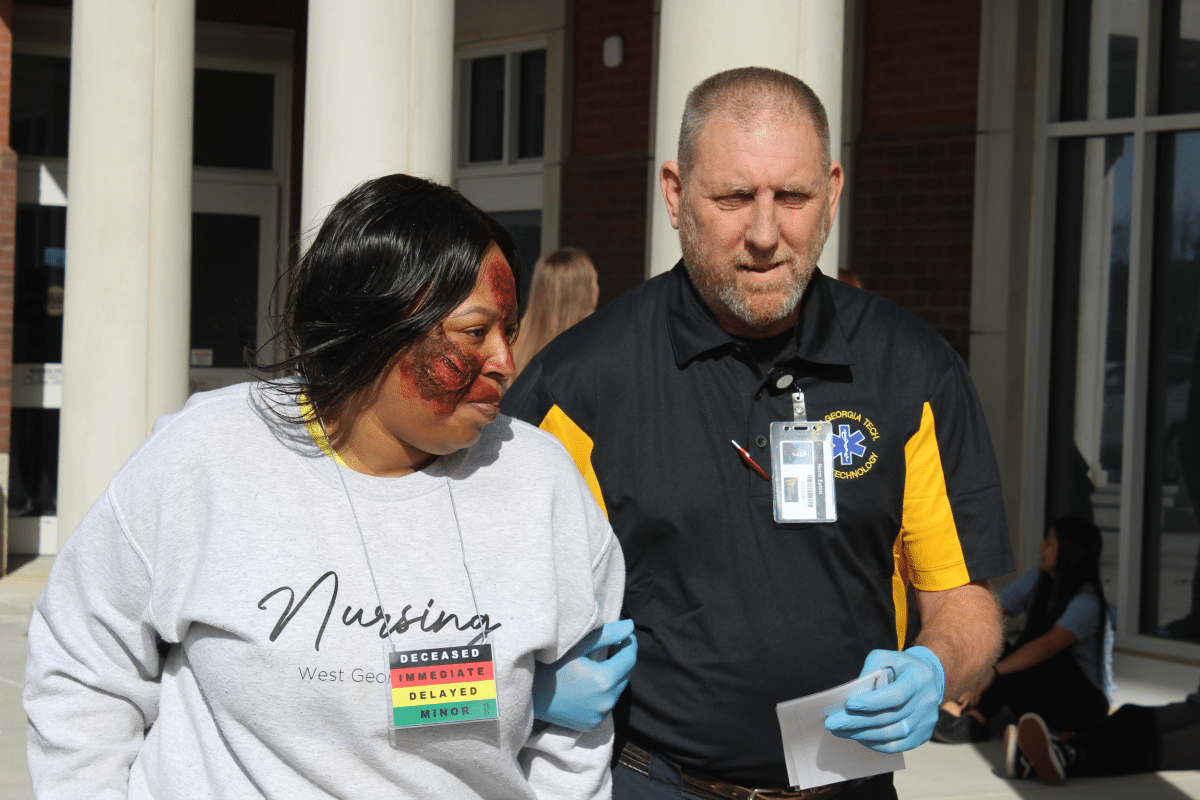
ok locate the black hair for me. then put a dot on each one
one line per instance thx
(1077, 565)
(391, 260)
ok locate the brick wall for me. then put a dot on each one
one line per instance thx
(605, 173)
(913, 179)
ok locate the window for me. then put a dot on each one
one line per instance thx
(41, 98)
(501, 140)
(505, 106)
(233, 123)
(1123, 236)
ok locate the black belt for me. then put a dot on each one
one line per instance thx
(697, 784)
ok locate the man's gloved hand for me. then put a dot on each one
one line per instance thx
(901, 715)
(578, 692)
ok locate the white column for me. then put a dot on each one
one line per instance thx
(701, 37)
(378, 93)
(125, 320)
(822, 48)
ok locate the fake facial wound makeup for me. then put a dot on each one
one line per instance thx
(446, 374)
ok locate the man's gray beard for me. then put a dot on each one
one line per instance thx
(725, 296)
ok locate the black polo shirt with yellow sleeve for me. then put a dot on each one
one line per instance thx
(735, 612)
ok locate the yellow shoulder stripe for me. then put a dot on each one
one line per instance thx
(927, 553)
(900, 590)
(578, 444)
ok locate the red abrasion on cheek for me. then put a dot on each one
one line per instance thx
(500, 281)
(498, 276)
(442, 372)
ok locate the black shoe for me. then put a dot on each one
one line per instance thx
(944, 721)
(1046, 752)
(1187, 628)
(958, 730)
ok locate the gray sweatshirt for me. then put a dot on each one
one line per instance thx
(211, 629)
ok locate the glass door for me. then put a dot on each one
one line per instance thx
(37, 375)
(235, 232)
(38, 133)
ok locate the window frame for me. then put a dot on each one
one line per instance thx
(509, 163)
(511, 184)
(1143, 126)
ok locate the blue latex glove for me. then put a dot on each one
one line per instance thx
(578, 692)
(901, 715)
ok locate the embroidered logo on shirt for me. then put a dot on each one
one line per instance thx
(853, 436)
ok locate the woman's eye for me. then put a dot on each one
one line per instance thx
(510, 333)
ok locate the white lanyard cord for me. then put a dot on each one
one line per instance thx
(462, 548)
(367, 555)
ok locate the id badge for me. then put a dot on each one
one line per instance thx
(802, 483)
(435, 686)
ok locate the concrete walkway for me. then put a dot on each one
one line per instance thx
(935, 771)
(949, 772)
(19, 591)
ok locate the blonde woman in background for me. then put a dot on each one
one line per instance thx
(563, 291)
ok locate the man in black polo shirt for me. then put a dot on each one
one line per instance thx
(734, 611)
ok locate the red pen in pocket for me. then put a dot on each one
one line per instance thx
(759, 471)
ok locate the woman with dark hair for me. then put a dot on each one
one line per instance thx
(1061, 665)
(293, 586)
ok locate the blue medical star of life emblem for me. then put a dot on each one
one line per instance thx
(847, 444)
(855, 446)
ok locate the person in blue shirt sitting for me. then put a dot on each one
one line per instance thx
(1061, 665)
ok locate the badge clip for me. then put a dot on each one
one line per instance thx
(802, 482)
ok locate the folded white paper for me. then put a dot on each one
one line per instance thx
(815, 756)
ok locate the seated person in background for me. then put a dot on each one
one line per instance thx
(1061, 666)
(563, 290)
(1134, 739)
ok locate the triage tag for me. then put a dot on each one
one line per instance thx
(802, 484)
(444, 684)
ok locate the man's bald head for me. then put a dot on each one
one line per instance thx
(745, 94)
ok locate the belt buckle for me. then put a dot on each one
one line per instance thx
(706, 786)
